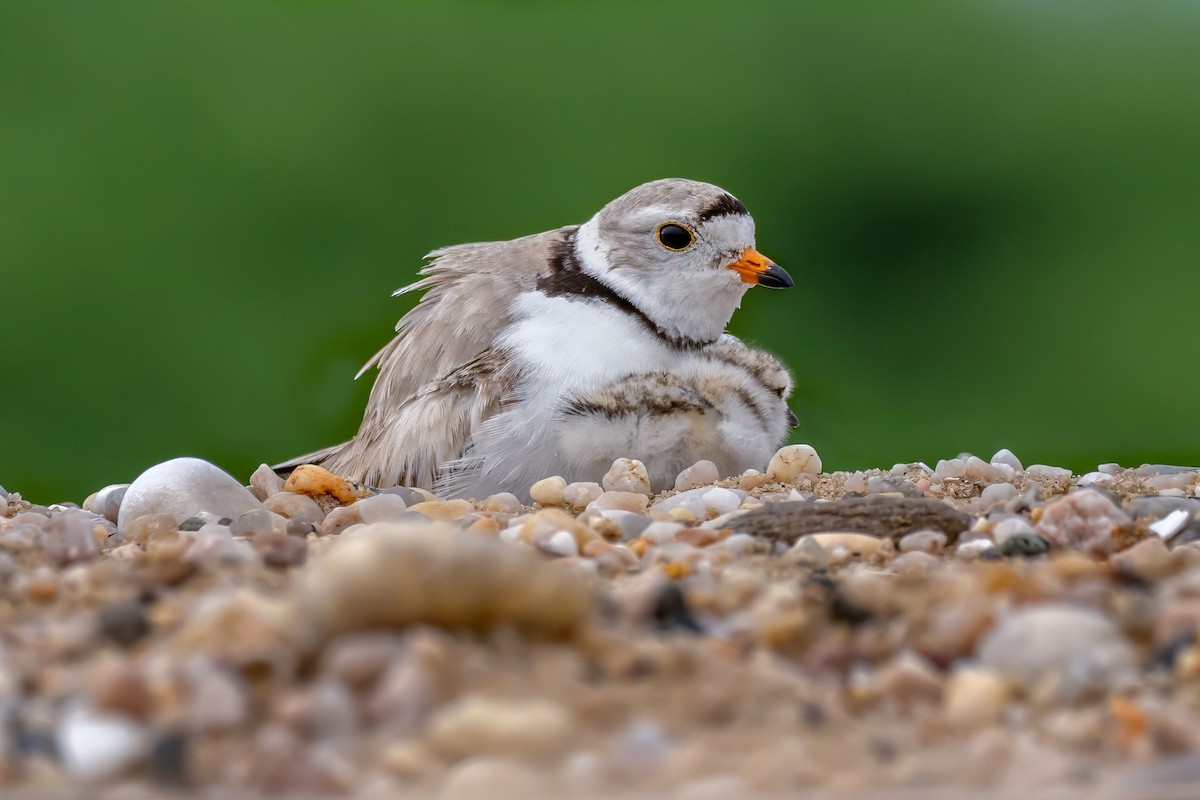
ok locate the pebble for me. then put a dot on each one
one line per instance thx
(1005, 457)
(561, 543)
(627, 475)
(702, 473)
(1159, 507)
(107, 502)
(792, 461)
(265, 482)
(394, 575)
(975, 548)
(1149, 560)
(94, 745)
(381, 508)
(1084, 520)
(950, 468)
(974, 698)
(1171, 524)
(702, 504)
(548, 491)
(320, 484)
(1052, 641)
(620, 501)
(1043, 471)
(443, 510)
(487, 778)
(339, 519)
(70, 536)
(297, 507)
(997, 493)
(502, 503)
(922, 541)
(581, 493)
(478, 725)
(1094, 479)
(183, 487)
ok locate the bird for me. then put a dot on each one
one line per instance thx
(558, 353)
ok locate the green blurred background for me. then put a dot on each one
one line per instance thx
(991, 209)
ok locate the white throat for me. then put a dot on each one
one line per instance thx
(684, 305)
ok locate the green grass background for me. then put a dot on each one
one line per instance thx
(991, 209)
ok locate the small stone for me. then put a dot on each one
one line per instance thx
(1094, 479)
(580, 494)
(391, 575)
(620, 501)
(950, 468)
(339, 519)
(123, 623)
(95, 745)
(548, 491)
(297, 507)
(444, 510)
(489, 778)
(701, 473)
(1085, 519)
(265, 482)
(792, 461)
(1032, 644)
(107, 502)
(258, 523)
(478, 725)
(1148, 560)
(857, 545)
(183, 487)
(996, 493)
(1005, 456)
(627, 475)
(381, 508)
(1171, 524)
(975, 548)
(1159, 507)
(502, 503)
(980, 471)
(922, 541)
(974, 699)
(321, 485)
(70, 536)
(1025, 544)
(1044, 472)
(561, 543)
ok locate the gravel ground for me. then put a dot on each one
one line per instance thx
(976, 629)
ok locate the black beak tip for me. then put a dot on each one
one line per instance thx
(776, 278)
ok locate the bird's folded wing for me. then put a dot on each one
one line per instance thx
(413, 439)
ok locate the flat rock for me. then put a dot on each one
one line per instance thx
(885, 517)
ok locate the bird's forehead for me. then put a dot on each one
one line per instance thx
(731, 229)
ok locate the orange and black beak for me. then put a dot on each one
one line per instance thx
(754, 267)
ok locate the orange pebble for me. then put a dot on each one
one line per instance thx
(677, 569)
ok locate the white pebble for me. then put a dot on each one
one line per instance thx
(95, 745)
(1094, 479)
(1009, 527)
(792, 461)
(923, 542)
(979, 470)
(184, 487)
(1044, 471)
(950, 468)
(721, 501)
(548, 491)
(1005, 456)
(382, 508)
(661, 532)
(503, 503)
(998, 493)
(973, 549)
(580, 493)
(562, 543)
(701, 473)
(627, 475)
(1171, 524)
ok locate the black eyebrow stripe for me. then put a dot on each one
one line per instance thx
(724, 205)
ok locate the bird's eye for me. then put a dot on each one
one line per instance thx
(674, 236)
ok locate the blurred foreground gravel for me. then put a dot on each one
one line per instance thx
(977, 629)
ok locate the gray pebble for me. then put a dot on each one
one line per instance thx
(184, 487)
(1148, 470)
(1025, 544)
(1159, 507)
(879, 484)
(410, 496)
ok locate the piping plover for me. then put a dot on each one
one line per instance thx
(557, 353)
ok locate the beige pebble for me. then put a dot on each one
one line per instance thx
(265, 482)
(444, 510)
(502, 503)
(621, 501)
(548, 491)
(856, 544)
(701, 473)
(579, 494)
(1148, 560)
(391, 575)
(479, 725)
(295, 506)
(974, 699)
(627, 475)
(339, 519)
(492, 779)
(381, 508)
(792, 461)
(753, 479)
(542, 525)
